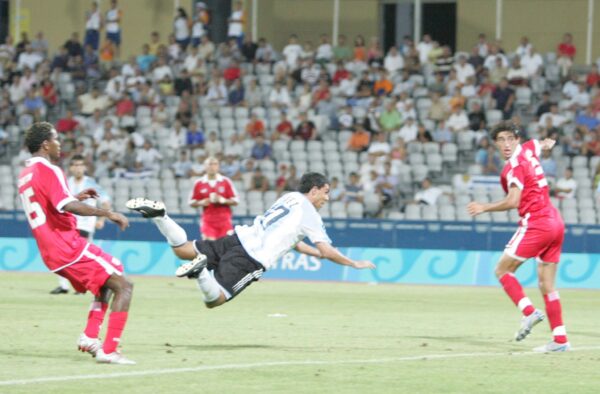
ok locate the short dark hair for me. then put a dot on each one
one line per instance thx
(310, 180)
(77, 158)
(37, 134)
(505, 126)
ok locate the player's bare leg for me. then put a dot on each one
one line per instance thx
(123, 290)
(505, 270)
(89, 340)
(547, 278)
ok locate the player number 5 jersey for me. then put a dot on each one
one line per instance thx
(291, 218)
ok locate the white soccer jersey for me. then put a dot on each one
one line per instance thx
(87, 223)
(291, 218)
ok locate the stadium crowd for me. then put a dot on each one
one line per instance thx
(394, 128)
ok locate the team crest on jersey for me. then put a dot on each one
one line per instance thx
(221, 189)
(203, 190)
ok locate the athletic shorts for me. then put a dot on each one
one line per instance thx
(114, 37)
(216, 230)
(92, 270)
(541, 238)
(232, 267)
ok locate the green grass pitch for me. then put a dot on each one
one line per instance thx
(296, 337)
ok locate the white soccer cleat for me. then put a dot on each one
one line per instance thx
(192, 268)
(527, 324)
(148, 208)
(112, 358)
(553, 347)
(90, 345)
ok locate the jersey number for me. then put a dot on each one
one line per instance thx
(35, 214)
(537, 168)
(273, 214)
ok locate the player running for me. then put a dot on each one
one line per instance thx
(540, 233)
(216, 194)
(49, 207)
(225, 267)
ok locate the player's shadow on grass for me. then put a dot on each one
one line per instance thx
(487, 342)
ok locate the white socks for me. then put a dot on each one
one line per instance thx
(64, 283)
(173, 232)
(208, 286)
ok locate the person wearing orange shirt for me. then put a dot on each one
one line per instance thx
(360, 139)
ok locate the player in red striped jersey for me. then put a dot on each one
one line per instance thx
(49, 207)
(216, 194)
(540, 233)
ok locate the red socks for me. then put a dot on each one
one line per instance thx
(116, 324)
(554, 313)
(513, 288)
(95, 319)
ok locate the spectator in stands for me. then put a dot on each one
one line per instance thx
(113, 26)
(491, 61)
(235, 27)
(183, 166)
(259, 181)
(393, 61)
(375, 53)
(557, 119)
(504, 97)
(383, 86)
(195, 136)
(324, 52)
(566, 51)
(145, 59)
(457, 120)
(7, 51)
(200, 23)
(566, 186)
(423, 135)
(255, 126)
(279, 96)
(524, 47)
(581, 99)
(593, 77)
(360, 139)
(306, 129)
(176, 140)
(498, 72)
(428, 195)
(424, 47)
(261, 150)
(29, 59)
(342, 51)
(437, 110)
(592, 146)
(517, 74)
(345, 120)
(463, 69)
(443, 134)
(549, 166)
(380, 147)
(93, 23)
(482, 47)
(544, 105)
(477, 118)
(68, 123)
(336, 190)
(149, 157)
(236, 94)
(353, 190)
(386, 185)
(89, 102)
(389, 120)
(445, 61)
(488, 158)
(532, 62)
(408, 131)
(586, 120)
(181, 28)
(4, 141)
(231, 168)
(360, 51)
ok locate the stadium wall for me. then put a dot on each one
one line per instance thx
(433, 253)
(544, 21)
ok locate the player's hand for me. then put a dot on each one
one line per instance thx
(221, 200)
(100, 223)
(204, 202)
(119, 219)
(87, 193)
(362, 264)
(474, 208)
(547, 143)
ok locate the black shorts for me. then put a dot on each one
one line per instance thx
(231, 265)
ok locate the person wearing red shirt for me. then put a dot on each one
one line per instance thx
(216, 194)
(67, 124)
(284, 129)
(232, 73)
(306, 129)
(49, 94)
(321, 93)
(49, 208)
(566, 54)
(255, 126)
(341, 73)
(540, 234)
(593, 77)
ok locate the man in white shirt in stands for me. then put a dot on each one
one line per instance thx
(566, 186)
(429, 194)
(225, 267)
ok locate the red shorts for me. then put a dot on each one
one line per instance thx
(541, 238)
(216, 230)
(92, 270)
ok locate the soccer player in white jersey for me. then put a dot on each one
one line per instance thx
(86, 225)
(225, 267)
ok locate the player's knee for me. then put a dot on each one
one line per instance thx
(500, 272)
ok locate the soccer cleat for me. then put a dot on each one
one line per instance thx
(553, 347)
(193, 268)
(112, 358)
(90, 345)
(527, 324)
(148, 208)
(59, 290)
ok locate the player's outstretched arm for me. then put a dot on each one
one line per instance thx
(81, 209)
(509, 202)
(330, 253)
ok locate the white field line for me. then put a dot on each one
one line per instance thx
(167, 371)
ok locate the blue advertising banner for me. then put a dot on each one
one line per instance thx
(457, 253)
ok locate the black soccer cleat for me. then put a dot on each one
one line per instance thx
(192, 268)
(148, 208)
(59, 290)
